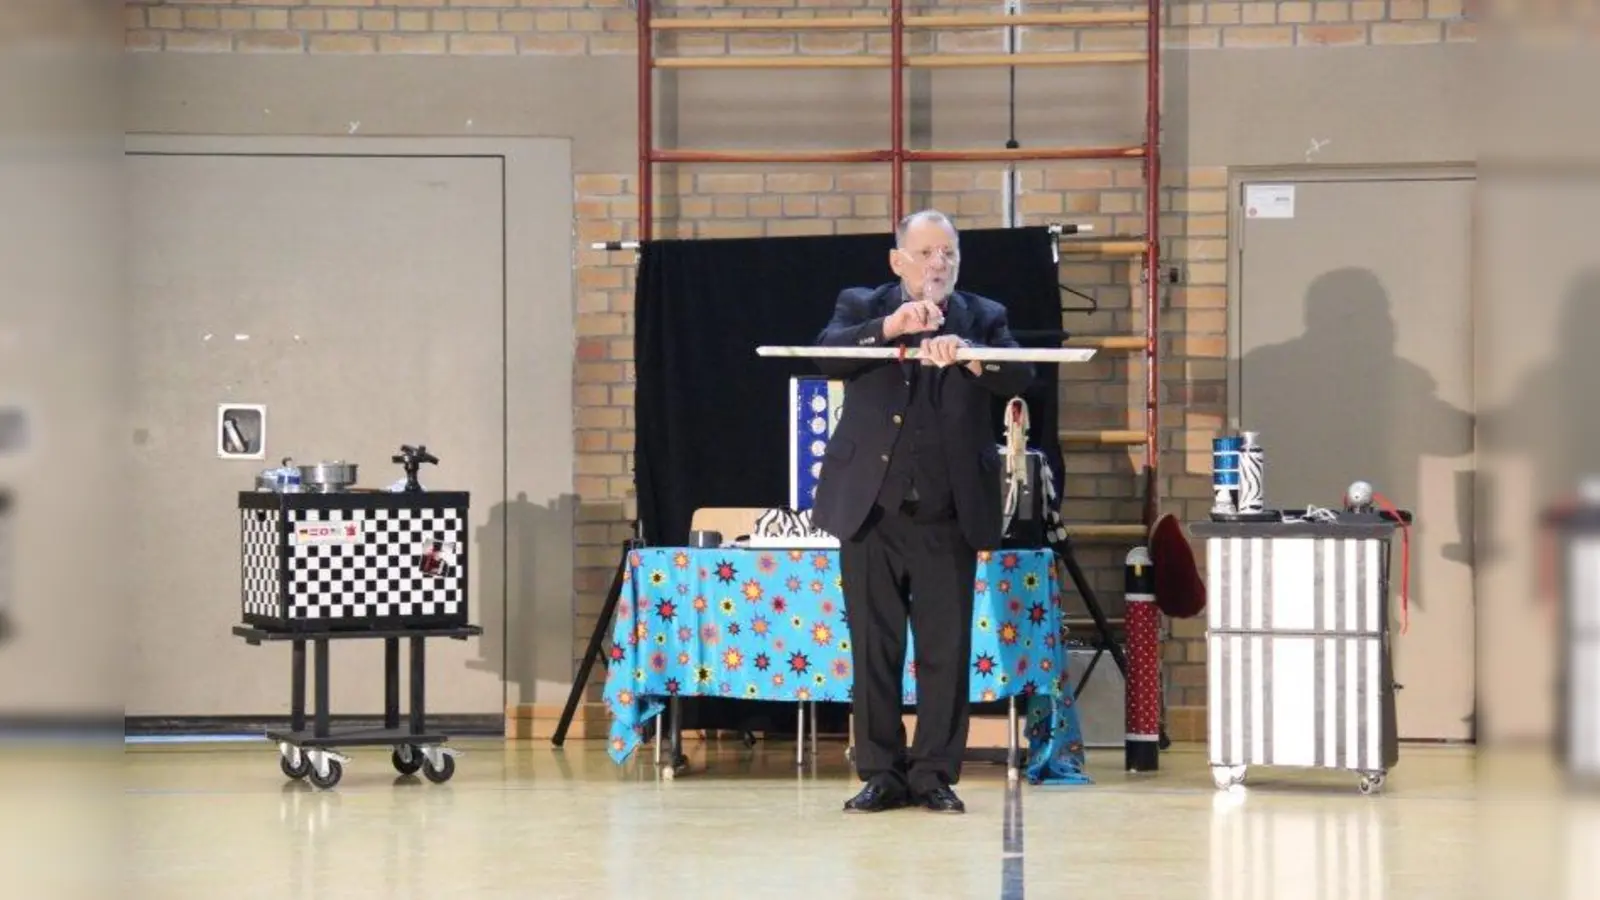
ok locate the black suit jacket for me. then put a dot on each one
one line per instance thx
(857, 455)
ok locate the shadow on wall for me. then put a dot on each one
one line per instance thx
(1553, 423)
(1342, 406)
(1544, 442)
(524, 552)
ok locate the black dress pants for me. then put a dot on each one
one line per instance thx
(899, 568)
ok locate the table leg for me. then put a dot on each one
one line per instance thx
(391, 683)
(813, 705)
(1011, 737)
(297, 687)
(800, 734)
(418, 702)
(320, 661)
(677, 732)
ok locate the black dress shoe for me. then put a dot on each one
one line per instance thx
(876, 797)
(942, 800)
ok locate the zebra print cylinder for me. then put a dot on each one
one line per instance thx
(1252, 472)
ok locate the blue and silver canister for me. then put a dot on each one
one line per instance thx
(1225, 474)
(288, 477)
(1252, 474)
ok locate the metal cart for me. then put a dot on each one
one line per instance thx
(311, 754)
(1299, 669)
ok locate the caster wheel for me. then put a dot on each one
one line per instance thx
(407, 759)
(295, 770)
(441, 773)
(335, 772)
(1372, 783)
(1164, 741)
(1225, 777)
(749, 739)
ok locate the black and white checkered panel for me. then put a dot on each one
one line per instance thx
(259, 531)
(380, 574)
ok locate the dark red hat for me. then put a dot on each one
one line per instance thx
(1180, 591)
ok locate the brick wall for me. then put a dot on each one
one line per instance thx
(607, 26)
(704, 201)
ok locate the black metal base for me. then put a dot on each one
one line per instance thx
(358, 627)
(1266, 515)
(365, 737)
(458, 724)
(1143, 756)
(321, 736)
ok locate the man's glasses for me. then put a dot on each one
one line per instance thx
(927, 255)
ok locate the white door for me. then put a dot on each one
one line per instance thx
(361, 300)
(1355, 361)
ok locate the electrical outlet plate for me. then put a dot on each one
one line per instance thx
(241, 431)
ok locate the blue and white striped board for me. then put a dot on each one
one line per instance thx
(815, 405)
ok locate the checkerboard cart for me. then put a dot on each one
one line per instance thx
(324, 567)
(1298, 656)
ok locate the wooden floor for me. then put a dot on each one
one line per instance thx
(521, 819)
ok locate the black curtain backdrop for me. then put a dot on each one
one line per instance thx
(712, 417)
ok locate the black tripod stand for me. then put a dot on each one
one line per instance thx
(596, 640)
(1107, 642)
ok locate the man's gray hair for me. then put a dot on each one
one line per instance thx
(926, 215)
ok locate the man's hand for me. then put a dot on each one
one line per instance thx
(941, 351)
(913, 317)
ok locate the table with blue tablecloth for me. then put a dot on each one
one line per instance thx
(769, 624)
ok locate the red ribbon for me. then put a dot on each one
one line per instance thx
(1405, 560)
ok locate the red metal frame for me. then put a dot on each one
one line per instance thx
(1152, 259)
(898, 156)
(897, 58)
(647, 131)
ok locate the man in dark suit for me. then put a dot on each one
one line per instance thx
(910, 484)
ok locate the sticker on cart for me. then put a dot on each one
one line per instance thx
(308, 533)
(438, 559)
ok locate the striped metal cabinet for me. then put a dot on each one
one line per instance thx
(1579, 732)
(1298, 660)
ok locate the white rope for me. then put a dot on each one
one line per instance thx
(1016, 456)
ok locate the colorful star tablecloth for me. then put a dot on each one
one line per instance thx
(767, 624)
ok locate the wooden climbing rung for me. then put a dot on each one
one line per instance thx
(1107, 532)
(1133, 342)
(1109, 436)
(1104, 248)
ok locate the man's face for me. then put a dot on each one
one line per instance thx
(928, 262)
